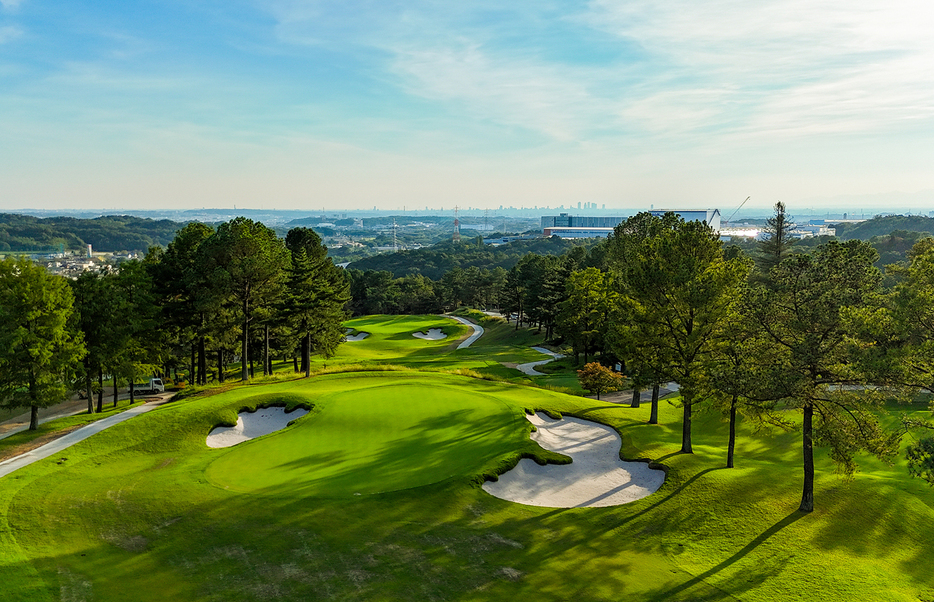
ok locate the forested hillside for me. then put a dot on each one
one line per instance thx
(435, 261)
(107, 233)
(884, 224)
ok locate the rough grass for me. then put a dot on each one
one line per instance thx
(134, 510)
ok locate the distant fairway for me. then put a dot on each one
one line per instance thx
(391, 338)
(377, 436)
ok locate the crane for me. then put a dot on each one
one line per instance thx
(737, 209)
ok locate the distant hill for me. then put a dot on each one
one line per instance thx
(882, 225)
(108, 233)
(434, 261)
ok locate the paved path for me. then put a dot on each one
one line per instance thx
(54, 447)
(529, 368)
(19, 427)
(645, 396)
(477, 331)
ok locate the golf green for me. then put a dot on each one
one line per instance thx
(375, 437)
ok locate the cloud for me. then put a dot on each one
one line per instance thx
(8, 33)
(10, 4)
(787, 66)
(674, 69)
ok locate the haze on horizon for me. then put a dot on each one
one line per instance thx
(293, 104)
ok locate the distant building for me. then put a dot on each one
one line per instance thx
(577, 232)
(711, 216)
(566, 220)
(566, 225)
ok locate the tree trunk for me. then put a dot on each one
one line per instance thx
(33, 417)
(100, 393)
(220, 365)
(807, 494)
(132, 391)
(116, 391)
(266, 371)
(202, 363)
(252, 372)
(686, 401)
(653, 416)
(192, 373)
(636, 397)
(244, 375)
(87, 388)
(295, 362)
(306, 354)
(732, 445)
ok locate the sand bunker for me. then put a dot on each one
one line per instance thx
(596, 478)
(433, 334)
(353, 338)
(251, 425)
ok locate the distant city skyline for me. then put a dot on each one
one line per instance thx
(301, 104)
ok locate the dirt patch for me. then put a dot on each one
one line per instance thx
(130, 543)
(73, 588)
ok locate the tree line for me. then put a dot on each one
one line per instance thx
(212, 296)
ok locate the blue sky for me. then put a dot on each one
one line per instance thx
(316, 104)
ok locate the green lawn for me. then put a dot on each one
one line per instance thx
(145, 511)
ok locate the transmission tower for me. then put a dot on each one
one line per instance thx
(457, 226)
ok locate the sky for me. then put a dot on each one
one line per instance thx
(355, 104)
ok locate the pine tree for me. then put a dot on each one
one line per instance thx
(776, 246)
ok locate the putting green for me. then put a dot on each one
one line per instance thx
(376, 437)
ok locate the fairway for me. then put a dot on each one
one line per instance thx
(376, 437)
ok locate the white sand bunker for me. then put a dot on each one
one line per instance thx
(251, 425)
(353, 338)
(596, 478)
(433, 334)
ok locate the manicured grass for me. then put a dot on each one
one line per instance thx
(383, 434)
(145, 511)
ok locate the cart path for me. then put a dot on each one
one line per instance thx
(529, 368)
(477, 331)
(66, 441)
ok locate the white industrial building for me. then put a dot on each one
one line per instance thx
(577, 226)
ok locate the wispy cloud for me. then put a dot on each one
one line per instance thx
(779, 67)
(790, 66)
(10, 4)
(8, 33)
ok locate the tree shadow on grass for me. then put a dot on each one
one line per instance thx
(668, 497)
(675, 592)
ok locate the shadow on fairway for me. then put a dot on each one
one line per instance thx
(752, 579)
